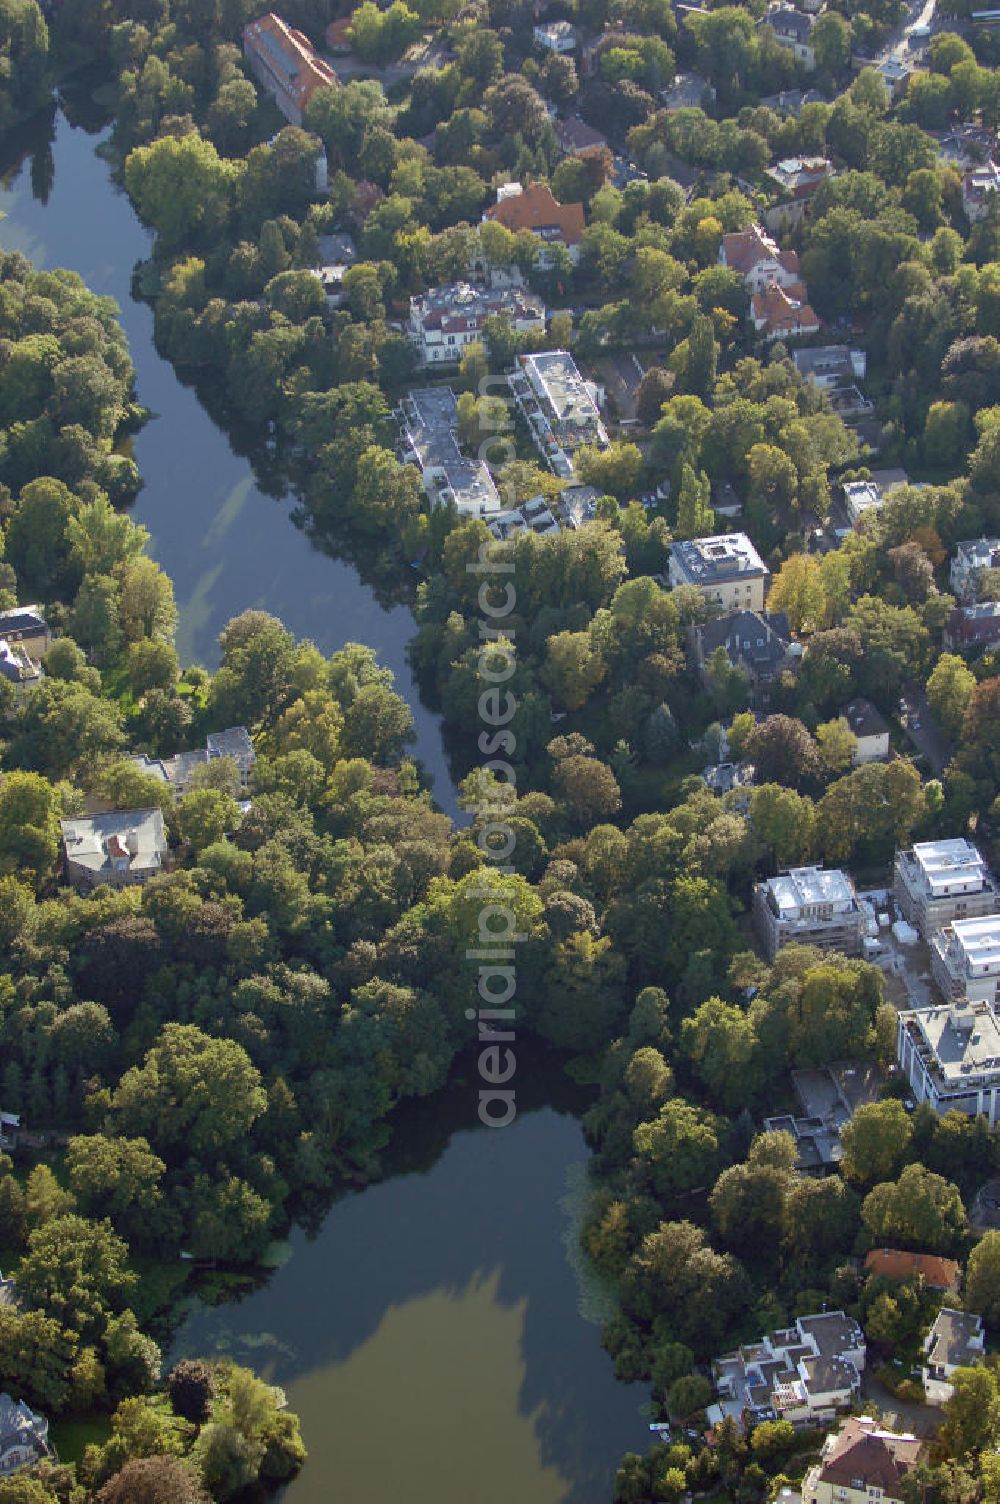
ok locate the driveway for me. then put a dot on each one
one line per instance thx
(901, 1415)
(921, 729)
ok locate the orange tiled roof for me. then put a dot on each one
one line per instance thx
(289, 58)
(783, 308)
(536, 209)
(893, 1263)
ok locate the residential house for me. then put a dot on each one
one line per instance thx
(575, 136)
(758, 642)
(26, 627)
(727, 569)
(10, 1123)
(871, 730)
(727, 777)
(936, 882)
(973, 627)
(177, 771)
(799, 177)
(783, 312)
(972, 558)
(18, 668)
(121, 848)
(836, 370)
(577, 505)
(556, 36)
(895, 72)
(336, 254)
(688, 91)
(803, 1374)
(536, 209)
(980, 189)
(759, 260)
(965, 958)
(560, 408)
(793, 30)
(862, 1463)
(235, 744)
(24, 1436)
(831, 367)
(790, 101)
(428, 421)
(445, 320)
(808, 906)
(534, 516)
(861, 496)
(817, 1143)
(950, 1055)
(895, 1263)
(8, 1293)
(286, 64)
(956, 1340)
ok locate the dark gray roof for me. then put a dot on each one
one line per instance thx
(788, 22)
(22, 619)
(758, 639)
(864, 719)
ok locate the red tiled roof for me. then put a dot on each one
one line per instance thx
(743, 249)
(880, 1458)
(288, 57)
(893, 1263)
(536, 209)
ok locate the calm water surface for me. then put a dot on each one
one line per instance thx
(430, 1336)
(225, 544)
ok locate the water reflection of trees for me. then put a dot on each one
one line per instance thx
(460, 1205)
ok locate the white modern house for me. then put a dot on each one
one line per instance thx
(561, 409)
(950, 1054)
(803, 1374)
(937, 882)
(808, 906)
(965, 959)
(956, 1340)
(727, 569)
(428, 421)
(556, 36)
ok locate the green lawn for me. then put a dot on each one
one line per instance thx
(71, 1437)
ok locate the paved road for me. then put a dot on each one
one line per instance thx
(901, 1415)
(920, 727)
(918, 13)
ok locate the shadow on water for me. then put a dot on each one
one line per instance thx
(225, 540)
(430, 1335)
(429, 1332)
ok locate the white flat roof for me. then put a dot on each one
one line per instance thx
(942, 863)
(803, 887)
(964, 1039)
(979, 939)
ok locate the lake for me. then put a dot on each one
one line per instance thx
(225, 544)
(431, 1334)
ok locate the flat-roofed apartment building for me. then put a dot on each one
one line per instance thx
(808, 906)
(286, 63)
(965, 959)
(727, 569)
(559, 407)
(950, 1054)
(937, 882)
(428, 421)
